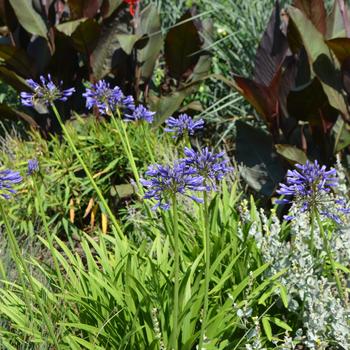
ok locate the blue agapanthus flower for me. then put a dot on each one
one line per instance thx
(140, 113)
(166, 181)
(129, 103)
(106, 98)
(7, 179)
(309, 187)
(45, 93)
(184, 124)
(33, 166)
(211, 166)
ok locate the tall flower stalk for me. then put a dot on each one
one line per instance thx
(206, 240)
(121, 127)
(140, 115)
(212, 167)
(163, 184)
(6, 183)
(176, 274)
(329, 255)
(47, 93)
(111, 101)
(149, 148)
(309, 188)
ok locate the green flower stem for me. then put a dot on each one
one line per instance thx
(187, 141)
(149, 149)
(120, 127)
(330, 257)
(88, 174)
(312, 228)
(120, 124)
(177, 271)
(47, 231)
(21, 264)
(206, 240)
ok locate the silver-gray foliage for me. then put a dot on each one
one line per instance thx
(325, 317)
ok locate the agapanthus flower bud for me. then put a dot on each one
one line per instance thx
(7, 179)
(45, 93)
(212, 166)
(140, 113)
(106, 98)
(182, 125)
(166, 181)
(33, 166)
(310, 188)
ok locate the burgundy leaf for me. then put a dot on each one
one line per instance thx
(272, 49)
(315, 11)
(181, 46)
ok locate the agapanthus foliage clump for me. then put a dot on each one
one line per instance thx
(140, 113)
(310, 187)
(33, 166)
(8, 178)
(106, 98)
(211, 166)
(166, 181)
(45, 93)
(183, 125)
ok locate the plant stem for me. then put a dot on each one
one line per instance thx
(330, 257)
(88, 174)
(48, 234)
(206, 241)
(312, 228)
(21, 264)
(120, 127)
(149, 149)
(177, 268)
(120, 124)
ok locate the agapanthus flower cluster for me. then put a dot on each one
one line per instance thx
(211, 166)
(45, 93)
(7, 179)
(33, 166)
(166, 181)
(182, 125)
(310, 188)
(140, 113)
(106, 98)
